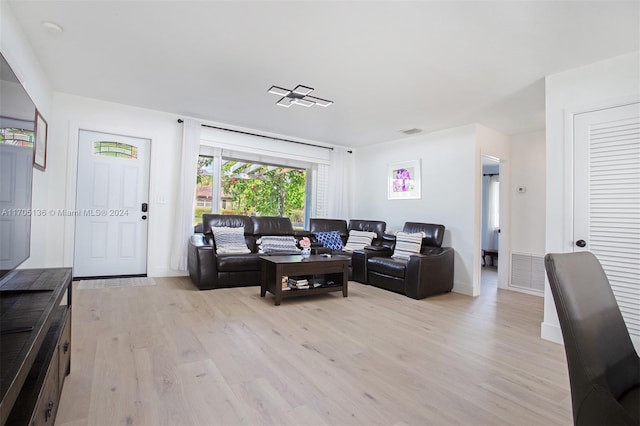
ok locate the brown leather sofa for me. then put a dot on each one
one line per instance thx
(326, 225)
(209, 270)
(425, 274)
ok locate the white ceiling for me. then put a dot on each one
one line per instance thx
(387, 65)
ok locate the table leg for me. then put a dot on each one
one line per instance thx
(345, 282)
(277, 291)
(263, 280)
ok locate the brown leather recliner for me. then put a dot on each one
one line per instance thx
(604, 368)
(425, 274)
(325, 225)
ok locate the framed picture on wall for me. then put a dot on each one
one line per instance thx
(403, 180)
(40, 144)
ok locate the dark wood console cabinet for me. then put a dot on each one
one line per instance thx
(35, 344)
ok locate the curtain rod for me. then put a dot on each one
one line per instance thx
(491, 174)
(262, 136)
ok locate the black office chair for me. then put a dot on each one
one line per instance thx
(604, 368)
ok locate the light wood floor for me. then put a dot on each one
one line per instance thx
(168, 354)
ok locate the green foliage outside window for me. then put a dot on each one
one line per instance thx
(251, 188)
(264, 190)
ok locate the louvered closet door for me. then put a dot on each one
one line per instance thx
(607, 200)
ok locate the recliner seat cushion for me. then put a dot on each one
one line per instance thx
(238, 262)
(387, 266)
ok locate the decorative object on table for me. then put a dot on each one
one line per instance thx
(305, 245)
(40, 145)
(403, 180)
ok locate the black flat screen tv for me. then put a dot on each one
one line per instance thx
(17, 117)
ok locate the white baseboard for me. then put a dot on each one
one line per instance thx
(463, 288)
(166, 272)
(551, 332)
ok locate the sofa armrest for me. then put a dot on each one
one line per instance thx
(319, 249)
(429, 274)
(201, 262)
(379, 251)
(359, 260)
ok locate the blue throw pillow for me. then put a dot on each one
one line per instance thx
(329, 239)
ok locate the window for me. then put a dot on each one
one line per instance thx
(251, 188)
(204, 188)
(259, 189)
(115, 149)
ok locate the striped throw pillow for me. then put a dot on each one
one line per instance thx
(407, 244)
(358, 240)
(230, 240)
(280, 244)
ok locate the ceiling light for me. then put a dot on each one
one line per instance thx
(285, 102)
(302, 90)
(303, 102)
(52, 28)
(279, 91)
(318, 101)
(298, 96)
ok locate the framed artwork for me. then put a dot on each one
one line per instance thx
(40, 144)
(403, 180)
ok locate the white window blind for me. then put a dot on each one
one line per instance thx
(614, 210)
(322, 191)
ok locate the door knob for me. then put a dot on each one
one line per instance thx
(581, 243)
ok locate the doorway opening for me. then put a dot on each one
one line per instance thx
(490, 247)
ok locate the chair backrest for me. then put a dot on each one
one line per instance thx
(377, 226)
(433, 233)
(271, 225)
(327, 225)
(600, 355)
(210, 220)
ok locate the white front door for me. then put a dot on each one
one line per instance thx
(607, 200)
(112, 194)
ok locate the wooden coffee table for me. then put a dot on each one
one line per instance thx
(332, 269)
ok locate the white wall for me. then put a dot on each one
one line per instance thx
(450, 169)
(528, 208)
(72, 113)
(18, 53)
(604, 83)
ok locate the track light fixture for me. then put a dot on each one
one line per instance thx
(298, 96)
